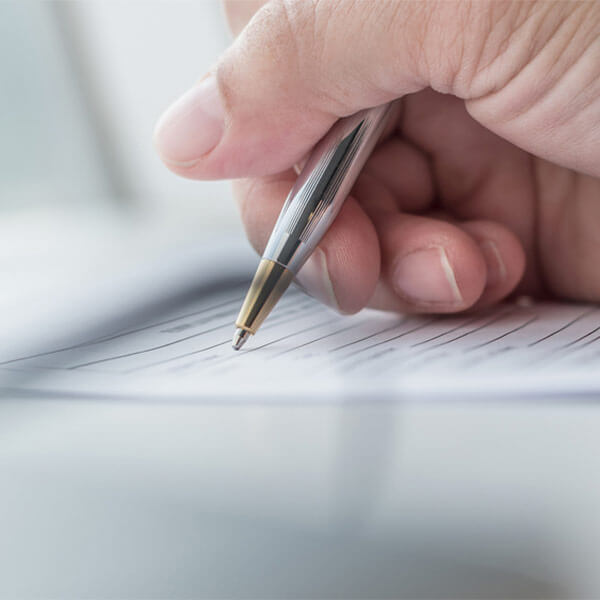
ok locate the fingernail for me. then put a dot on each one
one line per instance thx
(426, 277)
(314, 279)
(496, 270)
(192, 126)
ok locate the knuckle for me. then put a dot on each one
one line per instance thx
(447, 38)
(471, 47)
(543, 45)
(547, 36)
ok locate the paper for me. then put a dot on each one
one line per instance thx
(305, 350)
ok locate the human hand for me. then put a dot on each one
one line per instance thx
(485, 183)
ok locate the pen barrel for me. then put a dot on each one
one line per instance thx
(322, 186)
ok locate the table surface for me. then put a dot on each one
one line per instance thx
(485, 498)
(477, 499)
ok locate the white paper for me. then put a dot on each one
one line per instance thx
(307, 351)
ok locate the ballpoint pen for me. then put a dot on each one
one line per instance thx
(309, 210)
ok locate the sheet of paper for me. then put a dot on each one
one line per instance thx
(307, 351)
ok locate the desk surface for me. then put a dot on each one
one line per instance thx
(418, 500)
(405, 500)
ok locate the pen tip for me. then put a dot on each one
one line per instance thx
(239, 338)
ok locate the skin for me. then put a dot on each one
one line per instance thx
(489, 169)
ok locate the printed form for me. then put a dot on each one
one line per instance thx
(305, 351)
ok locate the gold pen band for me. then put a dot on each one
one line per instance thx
(269, 283)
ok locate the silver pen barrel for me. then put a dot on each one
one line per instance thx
(323, 186)
(309, 210)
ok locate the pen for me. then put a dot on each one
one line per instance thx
(309, 210)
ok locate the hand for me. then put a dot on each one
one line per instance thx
(485, 183)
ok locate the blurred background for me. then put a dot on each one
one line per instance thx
(82, 85)
(83, 194)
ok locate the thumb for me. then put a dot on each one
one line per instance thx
(301, 64)
(288, 76)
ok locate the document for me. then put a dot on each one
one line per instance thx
(305, 351)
